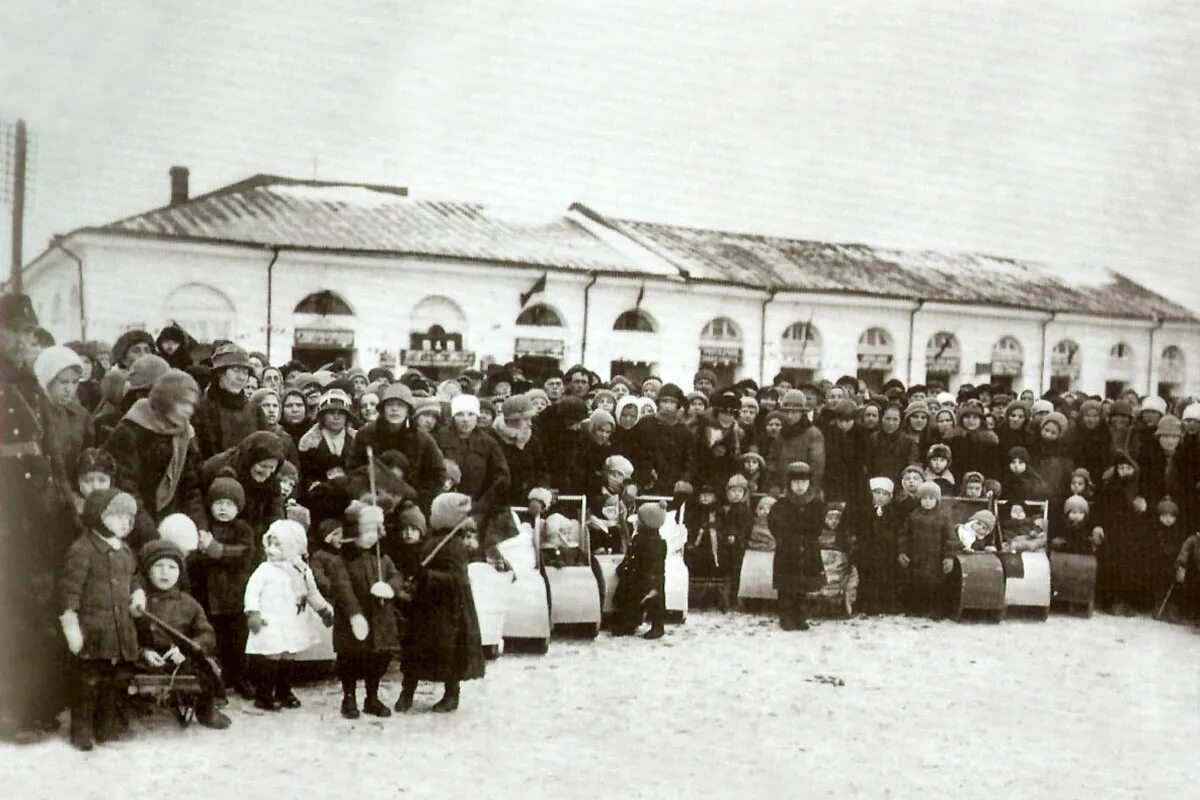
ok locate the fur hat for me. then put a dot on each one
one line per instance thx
(798, 470)
(671, 391)
(1075, 503)
(983, 515)
(1018, 452)
(226, 487)
(1120, 408)
(929, 489)
(448, 510)
(173, 386)
(882, 483)
(969, 408)
(106, 501)
(180, 530)
(705, 374)
(127, 340)
(619, 462)
(572, 409)
(93, 459)
(542, 495)
(1169, 426)
(939, 450)
(794, 400)
(917, 468)
(1153, 403)
(845, 409)
(1168, 506)
(229, 355)
(156, 550)
(516, 407)
(54, 360)
(651, 515)
(145, 371)
(411, 516)
(973, 477)
(1055, 418)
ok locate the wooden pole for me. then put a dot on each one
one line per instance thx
(18, 209)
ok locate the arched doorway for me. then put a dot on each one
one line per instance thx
(801, 351)
(1008, 362)
(1121, 370)
(205, 313)
(323, 334)
(943, 360)
(635, 361)
(540, 344)
(436, 329)
(1066, 363)
(721, 349)
(1172, 372)
(876, 357)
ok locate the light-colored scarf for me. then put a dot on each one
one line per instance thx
(144, 416)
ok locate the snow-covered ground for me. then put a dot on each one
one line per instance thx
(724, 706)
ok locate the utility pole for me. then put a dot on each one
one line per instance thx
(18, 205)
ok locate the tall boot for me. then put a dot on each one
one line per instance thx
(449, 701)
(372, 705)
(407, 689)
(107, 725)
(264, 684)
(283, 685)
(83, 710)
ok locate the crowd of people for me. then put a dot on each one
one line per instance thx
(225, 497)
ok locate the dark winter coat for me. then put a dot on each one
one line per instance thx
(717, 453)
(1071, 538)
(796, 524)
(142, 458)
(351, 578)
(847, 456)
(641, 571)
(263, 503)
(1091, 449)
(875, 553)
(223, 419)
(526, 470)
(800, 442)
(1008, 438)
(426, 468)
(181, 612)
(587, 464)
(976, 451)
(441, 633)
(317, 460)
(890, 454)
(1176, 477)
(1052, 461)
(558, 440)
(1026, 486)
(1126, 555)
(227, 563)
(98, 582)
(662, 455)
(928, 538)
(484, 471)
(73, 432)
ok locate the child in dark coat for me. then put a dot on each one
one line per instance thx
(707, 553)
(1187, 577)
(641, 576)
(927, 547)
(735, 522)
(161, 565)
(1168, 537)
(875, 552)
(1074, 531)
(100, 588)
(796, 522)
(937, 468)
(365, 635)
(225, 559)
(1126, 553)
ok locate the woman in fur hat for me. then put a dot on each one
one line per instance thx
(174, 345)
(130, 346)
(441, 635)
(154, 447)
(224, 415)
(393, 430)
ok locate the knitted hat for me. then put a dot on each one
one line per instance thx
(621, 380)
(1192, 412)
(599, 418)
(397, 391)
(515, 408)
(453, 472)
(929, 489)
(93, 459)
(938, 450)
(572, 409)
(983, 515)
(737, 479)
(728, 401)
(1168, 506)
(173, 386)
(1018, 452)
(1075, 503)
(973, 477)
(145, 371)
(845, 409)
(762, 462)
(260, 394)
(448, 510)
(1153, 403)
(106, 501)
(705, 374)
(1120, 408)
(917, 468)
(226, 487)
(794, 400)
(542, 495)
(701, 396)
(651, 515)
(1169, 426)
(1080, 472)
(603, 394)
(54, 360)
(1055, 418)
(618, 462)
(179, 530)
(882, 483)
(156, 550)
(671, 391)
(427, 405)
(288, 471)
(537, 393)
(229, 355)
(411, 516)
(797, 470)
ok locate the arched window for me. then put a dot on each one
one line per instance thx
(801, 352)
(634, 320)
(1172, 372)
(205, 313)
(437, 310)
(943, 358)
(721, 329)
(540, 315)
(325, 304)
(876, 355)
(1121, 371)
(1066, 362)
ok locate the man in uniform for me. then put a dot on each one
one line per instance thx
(35, 531)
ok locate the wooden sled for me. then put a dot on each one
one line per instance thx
(977, 585)
(1032, 590)
(1073, 581)
(575, 594)
(527, 605)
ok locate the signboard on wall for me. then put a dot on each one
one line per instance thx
(437, 358)
(540, 348)
(875, 361)
(799, 361)
(720, 354)
(943, 364)
(329, 338)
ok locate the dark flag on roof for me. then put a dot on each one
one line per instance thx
(538, 286)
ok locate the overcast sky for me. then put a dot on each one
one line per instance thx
(1048, 130)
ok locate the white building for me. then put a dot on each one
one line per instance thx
(313, 270)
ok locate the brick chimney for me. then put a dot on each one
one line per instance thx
(179, 185)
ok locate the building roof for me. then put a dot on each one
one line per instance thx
(798, 265)
(318, 215)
